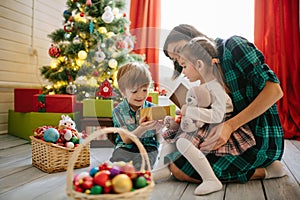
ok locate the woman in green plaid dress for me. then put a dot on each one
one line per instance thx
(254, 89)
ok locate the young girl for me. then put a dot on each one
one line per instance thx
(134, 80)
(199, 64)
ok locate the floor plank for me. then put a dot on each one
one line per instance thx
(169, 189)
(20, 180)
(251, 190)
(292, 158)
(7, 141)
(189, 194)
(285, 188)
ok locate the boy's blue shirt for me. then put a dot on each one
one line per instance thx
(124, 117)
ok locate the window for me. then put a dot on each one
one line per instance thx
(215, 18)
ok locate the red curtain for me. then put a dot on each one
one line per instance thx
(276, 33)
(145, 26)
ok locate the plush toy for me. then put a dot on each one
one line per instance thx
(197, 96)
(66, 122)
(69, 136)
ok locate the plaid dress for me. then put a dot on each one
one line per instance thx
(245, 74)
(220, 107)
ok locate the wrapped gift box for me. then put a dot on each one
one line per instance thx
(155, 112)
(97, 108)
(22, 124)
(24, 99)
(154, 96)
(57, 103)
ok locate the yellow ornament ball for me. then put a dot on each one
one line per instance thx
(79, 62)
(102, 30)
(121, 183)
(82, 55)
(112, 63)
(54, 63)
(110, 34)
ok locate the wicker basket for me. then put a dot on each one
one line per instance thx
(51, 158)
(138, 194)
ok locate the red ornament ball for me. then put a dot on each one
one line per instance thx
(102, 177)
(54, 51)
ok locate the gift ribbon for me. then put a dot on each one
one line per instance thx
(42, 103)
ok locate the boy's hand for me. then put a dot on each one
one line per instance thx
(146, 126)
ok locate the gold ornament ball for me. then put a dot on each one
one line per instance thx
(121, 183)
(54, 63)
(112, 63)
(102, 30)
(82, 55)
(79, 62)
(110, 34)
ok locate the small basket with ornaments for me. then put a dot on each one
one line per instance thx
(110, 181)
(52, 147)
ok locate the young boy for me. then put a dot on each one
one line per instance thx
(134, 80)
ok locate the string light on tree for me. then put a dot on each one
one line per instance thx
(92, 43)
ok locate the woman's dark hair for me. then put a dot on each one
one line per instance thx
(184, 32)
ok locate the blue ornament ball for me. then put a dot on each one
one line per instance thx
(93, 171)
(51, 135)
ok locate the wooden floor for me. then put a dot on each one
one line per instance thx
(20, 180)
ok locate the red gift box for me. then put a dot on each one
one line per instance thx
(23, 99)
(57, 103)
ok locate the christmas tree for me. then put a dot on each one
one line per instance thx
(88, 50)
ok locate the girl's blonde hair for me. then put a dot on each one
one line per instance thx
(133, 75)
(201, 48)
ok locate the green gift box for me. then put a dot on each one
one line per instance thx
(172, 110)
(154, 96)
(97, 108)
(22, 124)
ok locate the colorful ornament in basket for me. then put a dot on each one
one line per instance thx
(65, 134)
(51, 135)
(113, 178)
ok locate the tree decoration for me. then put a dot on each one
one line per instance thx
(69, 27)
(102, 30)
(112, 63)
(108, 15)
(54, 51)
(105, 90)
(96, 73)
(82, 55)
(67, 14)
(88, 3)
(91, 27)
(54, 63)
(76, 40)
(93, 41)
(99, 55)
(71, 88)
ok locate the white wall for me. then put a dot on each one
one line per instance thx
(25, 25)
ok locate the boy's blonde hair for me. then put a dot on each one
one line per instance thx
(133, 75)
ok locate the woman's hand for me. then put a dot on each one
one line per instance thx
(217, 137)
